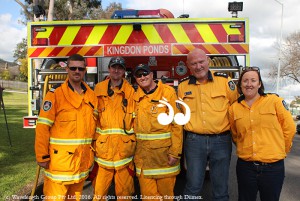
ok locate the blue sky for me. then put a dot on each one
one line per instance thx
(10, 6)
(264, 17)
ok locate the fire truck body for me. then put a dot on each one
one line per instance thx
(162, 43)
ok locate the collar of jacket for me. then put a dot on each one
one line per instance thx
(193, 80)
(140, 92)
(82, 86)
(119, 86)
(242, 97)
(151, 91)
(74, 98)
(103, 90)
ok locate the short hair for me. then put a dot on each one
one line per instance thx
(261, 89)
(76, 57)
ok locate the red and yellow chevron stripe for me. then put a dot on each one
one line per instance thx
(212, 48)
(97, 39)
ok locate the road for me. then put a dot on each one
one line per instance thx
(290, 191)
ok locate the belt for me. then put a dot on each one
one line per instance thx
(259, 163)
(211, 135)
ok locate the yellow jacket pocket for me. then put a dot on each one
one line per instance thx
(102, 145)
(127, 146)
(63, 159)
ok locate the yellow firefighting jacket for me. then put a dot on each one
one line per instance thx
(264, 131)
(209, 102)
(155, 141)
(64, 133)
(115, 144)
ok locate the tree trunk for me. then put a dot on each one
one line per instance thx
(50, 12)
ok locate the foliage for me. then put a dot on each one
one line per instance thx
(23, 69)
(20, 52)
(110, 9)
(5, 75)
(70, 9)
(17, 163)
(64, 9)
(296, 102)
(290, 58)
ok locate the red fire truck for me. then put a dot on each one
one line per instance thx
(154, 37)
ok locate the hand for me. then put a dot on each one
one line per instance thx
(172, 160)
(44, 164)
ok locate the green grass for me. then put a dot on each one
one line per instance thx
(17, 163)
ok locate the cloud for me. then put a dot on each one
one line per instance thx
(289, 92)
(11, 33)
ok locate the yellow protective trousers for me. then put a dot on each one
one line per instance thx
(62, 191)
(124, 183)
(157, 189)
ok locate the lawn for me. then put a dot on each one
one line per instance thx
(17, 163)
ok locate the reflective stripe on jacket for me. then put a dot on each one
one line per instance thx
(156, 136)
(113, 131)
(155, 142)
(64, 132)
(70, 141)
(115, 140)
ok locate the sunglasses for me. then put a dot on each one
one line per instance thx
(140, 74)
(250, 69)
(74, 68)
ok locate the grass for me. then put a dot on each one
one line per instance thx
(17, 163)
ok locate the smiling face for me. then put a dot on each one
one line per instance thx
(250, 84)
(145, 80)
(198, 64)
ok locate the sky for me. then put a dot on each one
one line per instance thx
(264, 17)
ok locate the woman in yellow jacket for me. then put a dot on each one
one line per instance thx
(262, 129)
(159, 146)
(64, 133)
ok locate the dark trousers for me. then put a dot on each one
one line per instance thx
(267, 179)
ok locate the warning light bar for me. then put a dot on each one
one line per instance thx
(129, 14)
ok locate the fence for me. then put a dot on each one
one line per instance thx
(10, 84)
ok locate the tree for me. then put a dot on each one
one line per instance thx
(20, 55)
(23, 69)
(5, 75)
(110, 9)
(21, 50)
(64, 9)
(290, 59)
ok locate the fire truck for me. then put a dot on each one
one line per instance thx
(153, 37)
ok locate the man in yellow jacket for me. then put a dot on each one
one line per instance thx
(64, 133)
(159, 144)
(207, 135)
(115, 144)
